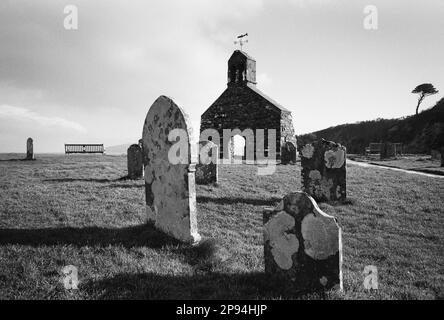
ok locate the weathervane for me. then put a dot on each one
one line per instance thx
(241, 40)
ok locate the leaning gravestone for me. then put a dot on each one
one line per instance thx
(170, 188)
(134, 161)
(207, 168)
(302, 244)
(324, 170)
(29, 149)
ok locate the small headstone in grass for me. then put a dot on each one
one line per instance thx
(170, 181)
(324, 170)
(134, 161)
(302, 244)
(29, 149)
(207, 168)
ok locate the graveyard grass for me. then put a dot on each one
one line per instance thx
(77, 210)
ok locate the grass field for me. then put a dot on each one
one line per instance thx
(62, 210)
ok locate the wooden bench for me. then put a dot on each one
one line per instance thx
(84, 148)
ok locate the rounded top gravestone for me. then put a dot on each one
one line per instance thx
(170, 157)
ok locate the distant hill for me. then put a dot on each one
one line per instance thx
(119, 149)
(419, 133)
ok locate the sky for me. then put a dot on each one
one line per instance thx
(95, 84)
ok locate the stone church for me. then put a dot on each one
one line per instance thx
(243, 106)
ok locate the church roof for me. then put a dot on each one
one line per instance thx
(246, 55)
(263, 95)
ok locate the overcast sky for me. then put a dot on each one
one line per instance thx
(96, 84)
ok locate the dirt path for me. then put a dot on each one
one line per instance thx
(363, 164)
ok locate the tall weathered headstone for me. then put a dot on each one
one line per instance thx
(170, 188)
(207, 168)
(302, 244)
(134, 161)
(29, 149)
(288, 153)
(324, 170)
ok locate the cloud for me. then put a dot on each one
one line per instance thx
(8, 112)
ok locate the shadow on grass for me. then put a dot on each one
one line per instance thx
(12, 160)
(257, 285)
(136, 236)
(86, 180)
(233, 200)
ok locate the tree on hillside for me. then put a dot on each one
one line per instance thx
(424, 90)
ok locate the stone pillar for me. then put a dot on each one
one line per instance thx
(302, 244)
(134, 161)
(29, 149)
(324, 170)
(207, 167)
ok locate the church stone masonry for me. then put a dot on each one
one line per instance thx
(242, 106)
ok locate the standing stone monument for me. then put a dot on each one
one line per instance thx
(324, 170)
(206, 169)
(134, 160)
(288, 153)
(29, 149)
(302, 244)
(170, 187)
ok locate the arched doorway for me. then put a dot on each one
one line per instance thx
(237, 149)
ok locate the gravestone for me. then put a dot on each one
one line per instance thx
(134, 161)
(302, 244)
(288, 153)
(170, 188)
(324, 170)
(207, 167)
(29, 149)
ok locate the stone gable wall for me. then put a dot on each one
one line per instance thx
(242, 108)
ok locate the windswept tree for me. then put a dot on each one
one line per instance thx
(424, 90)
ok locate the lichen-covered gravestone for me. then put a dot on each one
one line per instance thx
(324, 170)
(170, 188)
(288, 153)
(302, 244)
(206, 169)
(29, 149)
(134, 161)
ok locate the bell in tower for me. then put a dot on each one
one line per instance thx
(241, 69)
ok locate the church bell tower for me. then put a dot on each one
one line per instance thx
(241, 69)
